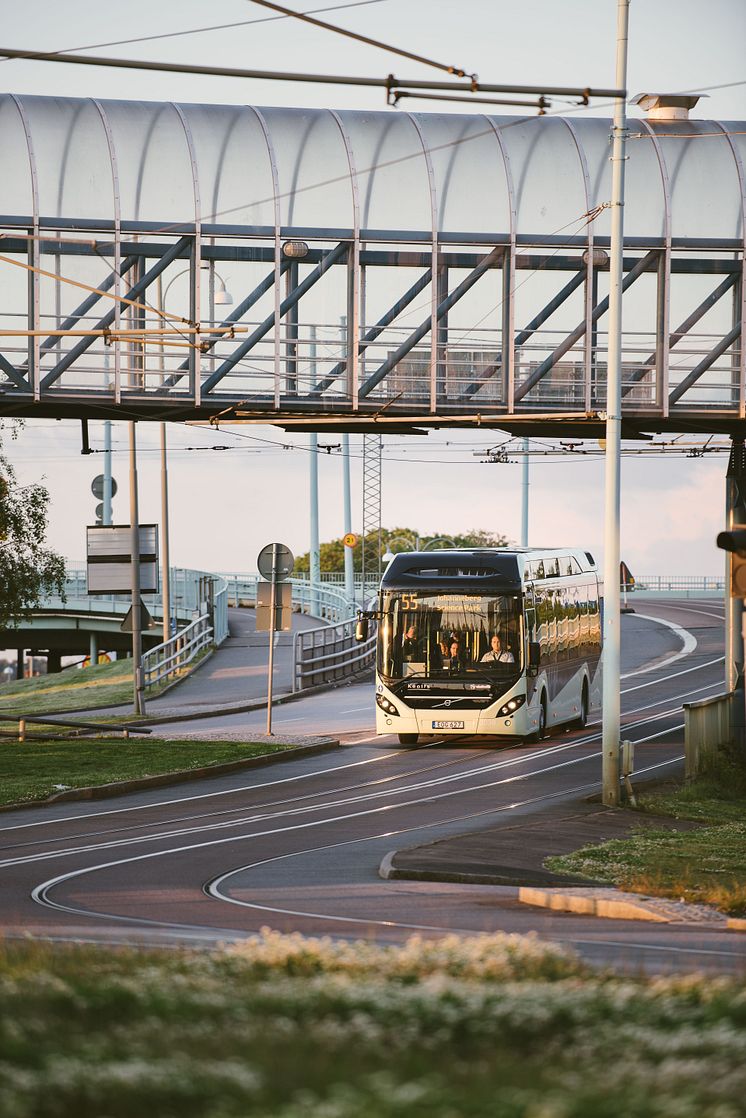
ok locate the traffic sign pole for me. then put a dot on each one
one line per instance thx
(270, 670)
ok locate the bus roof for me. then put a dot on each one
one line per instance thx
(489, 568)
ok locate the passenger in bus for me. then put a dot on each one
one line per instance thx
(457, 660)
(497, 653)
(410, 644)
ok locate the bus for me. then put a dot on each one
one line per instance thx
(487, 641)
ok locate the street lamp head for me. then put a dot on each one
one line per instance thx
(223, 297)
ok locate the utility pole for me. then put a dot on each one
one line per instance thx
(735, 517)
(611, 718)
(166, 561)
(314, 557)
(138, 703)
(524, 495)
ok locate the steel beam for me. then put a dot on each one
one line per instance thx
(82, 310)
(375, 331)
(442, 309)
(104, 323)
(705, 364)
(213, 337)
(682, 330)
(263, 329)
(641, 266)
(525, 334)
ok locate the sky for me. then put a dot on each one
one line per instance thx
(225, 505)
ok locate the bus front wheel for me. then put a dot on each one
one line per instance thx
(408, 739)
(541, 732)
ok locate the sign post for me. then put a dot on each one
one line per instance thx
(275, 563)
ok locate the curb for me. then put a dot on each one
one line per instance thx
(510, 876)
(121, 787)
(612, 904)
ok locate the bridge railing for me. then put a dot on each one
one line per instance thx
(328, 653)
(171, 658)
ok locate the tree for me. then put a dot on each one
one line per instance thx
(331, 554)
(29, 571)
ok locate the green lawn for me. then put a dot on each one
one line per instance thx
(102, 685)
(284, 1027)
(72, 689)
(33, 770)
(706, 865)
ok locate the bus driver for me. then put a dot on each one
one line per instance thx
(497, 653)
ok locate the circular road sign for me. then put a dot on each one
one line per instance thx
(97, 487)
(350, 539)
(283, 564)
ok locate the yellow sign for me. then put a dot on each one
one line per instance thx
(350, 539)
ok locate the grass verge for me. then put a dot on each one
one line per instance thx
(34, 770)
(284, 1027)
(101, 685)
(703, 866)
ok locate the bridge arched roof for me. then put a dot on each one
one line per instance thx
(390, 175)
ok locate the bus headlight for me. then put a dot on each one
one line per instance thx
(386, 704)
(511, 706)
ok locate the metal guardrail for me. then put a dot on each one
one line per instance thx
(667, 583)
(326, 654)
(330, 654)
(169, 659)
(125, 728)
(708, 725)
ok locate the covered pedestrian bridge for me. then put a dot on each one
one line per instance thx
(370, 270)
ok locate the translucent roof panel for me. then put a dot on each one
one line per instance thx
(313, 168)
(392, 172)
(18, 195)
(703, 178)
(469, 171)
(234, 167)
(547, 175)
(73, 162)
(154, 167)
(389, 173)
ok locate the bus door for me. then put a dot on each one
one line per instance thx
(529, 634)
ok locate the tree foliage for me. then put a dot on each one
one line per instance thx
(29, 571)
(398, 539)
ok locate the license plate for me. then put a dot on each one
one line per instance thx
(448, 725)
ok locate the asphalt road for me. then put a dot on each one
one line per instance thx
(297, 846)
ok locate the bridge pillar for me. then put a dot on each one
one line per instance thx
(54, 662)
(19, 664)
(93, 649)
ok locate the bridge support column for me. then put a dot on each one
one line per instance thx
(735, 515)
(93, 649)
(54, 662)
(19, 664)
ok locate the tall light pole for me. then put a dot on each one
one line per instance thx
(611, 717)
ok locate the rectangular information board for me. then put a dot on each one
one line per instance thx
(283, 607)
(108, 559)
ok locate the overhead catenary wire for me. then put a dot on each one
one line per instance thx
(212, 27)
(305, 17)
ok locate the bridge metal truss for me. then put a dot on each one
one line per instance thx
(506, 331)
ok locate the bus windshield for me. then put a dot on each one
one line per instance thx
(466, 636)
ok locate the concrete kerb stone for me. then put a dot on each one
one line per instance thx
(122, 787)
(605, 902)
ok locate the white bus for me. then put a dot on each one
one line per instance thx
(487, 642)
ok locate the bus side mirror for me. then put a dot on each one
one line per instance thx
(361, 629)
(534, 656)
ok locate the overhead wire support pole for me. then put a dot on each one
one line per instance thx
(138, 703)
(388, 83)
(611, 716)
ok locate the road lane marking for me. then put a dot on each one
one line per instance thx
(688, 639)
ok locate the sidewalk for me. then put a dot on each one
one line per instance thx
(513, 852)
